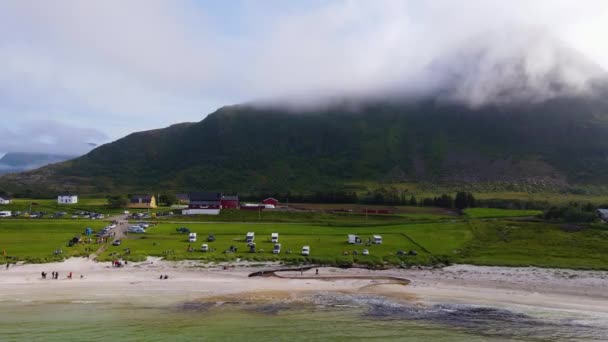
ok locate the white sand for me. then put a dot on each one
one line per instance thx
(526, 288)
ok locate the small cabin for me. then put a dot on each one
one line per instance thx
(270, 202)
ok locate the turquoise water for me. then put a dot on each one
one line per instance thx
(345, 318)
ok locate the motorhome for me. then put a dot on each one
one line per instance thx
(192, 237)
(306, 250)
(5, 214)
(205, 248)
(250, 237)
(274, 237)
(354, 239)
(377, 239)
(136, 229)
(276, 249)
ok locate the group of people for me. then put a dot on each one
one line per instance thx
(164, 276)
(55, 275)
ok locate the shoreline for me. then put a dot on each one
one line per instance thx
(526, 288)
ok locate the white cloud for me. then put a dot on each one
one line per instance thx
(121, 66)
(47, 136)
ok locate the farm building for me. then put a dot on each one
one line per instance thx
(230, 202)
(67, 198)
(271, 201)
(204, 203)
(603, 214)
(5, 200)
(143, 201)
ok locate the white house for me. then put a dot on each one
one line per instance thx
(603, 214)
(67, 198)
(5, 200)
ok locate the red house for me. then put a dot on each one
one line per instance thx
(230, 202)
(271, 201)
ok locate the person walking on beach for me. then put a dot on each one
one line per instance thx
(70, 275)
(317, 272)
(7, 265)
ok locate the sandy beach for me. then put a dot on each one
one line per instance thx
(525, 288)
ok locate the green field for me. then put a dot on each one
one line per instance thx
(50, 206)
(437, 238)
(36, 240)
(498, 242)
(493, 212)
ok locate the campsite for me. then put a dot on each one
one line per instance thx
(478, 241)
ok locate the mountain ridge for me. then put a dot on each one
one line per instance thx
(249, 149)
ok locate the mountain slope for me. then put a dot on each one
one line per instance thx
(243, 148)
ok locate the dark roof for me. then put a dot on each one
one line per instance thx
(67, 193)
(5, 197)
(231, 198)
(205, 196)
(144, 198)
(182, 197)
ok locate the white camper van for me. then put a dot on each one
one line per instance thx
(5, 214)
(136, 229)
(276, 249)
(192, 237)
(274, 237)
(354, 239)
(250, 237)
(205, 248)
(377, 239)
(306, 250)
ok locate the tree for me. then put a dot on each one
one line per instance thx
(413, 201)
(167, 199)
(118, 201)
(464, 200)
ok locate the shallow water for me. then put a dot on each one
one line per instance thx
(327, 317)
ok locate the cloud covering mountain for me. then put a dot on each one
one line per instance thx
(119, 66)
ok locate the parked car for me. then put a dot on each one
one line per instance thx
(136, 229)
(116, 242)
(205, 248)
(276, 249)
(365, 252)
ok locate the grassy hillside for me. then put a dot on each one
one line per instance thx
(549, 146)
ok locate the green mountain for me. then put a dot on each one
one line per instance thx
(556, 143)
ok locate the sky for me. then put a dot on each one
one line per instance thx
(78, 73)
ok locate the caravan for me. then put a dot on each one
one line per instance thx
(192, 237)
(377, 239)
(136, 229)
(276, 249)
(354, 239)
(250, 237)
(274, 237)
(5, 214)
